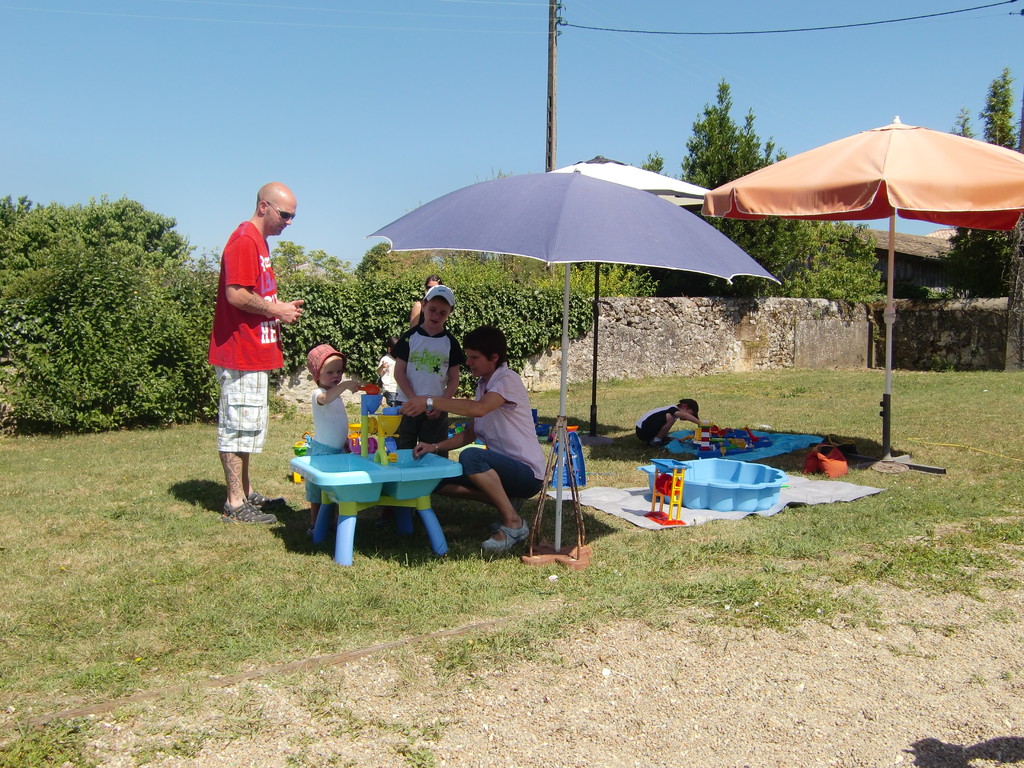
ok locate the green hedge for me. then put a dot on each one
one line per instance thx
(358, 316)
(105, 319)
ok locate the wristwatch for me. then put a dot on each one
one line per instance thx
(430, 404)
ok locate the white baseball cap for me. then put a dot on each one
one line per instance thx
(440, 292)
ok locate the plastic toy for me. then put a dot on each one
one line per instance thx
(578, 464)
(299, 448)
(724, 485)
(704, 440)
(368, 404)
(710, 441)
(355, 483)
(386, 427)
(375, 430)
(671, 486)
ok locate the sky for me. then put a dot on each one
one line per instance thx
(369, 108)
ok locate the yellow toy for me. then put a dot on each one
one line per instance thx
(299, 447)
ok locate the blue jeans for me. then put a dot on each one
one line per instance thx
(516, 477)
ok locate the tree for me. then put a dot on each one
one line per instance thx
(104, 319)
(380, 262)
(837, 264)
(998, 112)
(289, 257)
(719, 150)
(962, 126)
(809, 258)
(980, 260)
(655, 163)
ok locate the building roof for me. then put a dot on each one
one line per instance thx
(932, 246)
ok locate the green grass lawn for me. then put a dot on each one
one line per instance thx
(120, 576)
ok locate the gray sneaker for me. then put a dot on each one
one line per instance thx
(246, 513)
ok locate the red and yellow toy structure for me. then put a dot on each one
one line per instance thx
(668, 486)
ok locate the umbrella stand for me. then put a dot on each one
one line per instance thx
(539, 553)
(566, 218)
(893, 170)
(889, 316)
(577, 557)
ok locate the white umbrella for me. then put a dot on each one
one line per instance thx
(671, 190)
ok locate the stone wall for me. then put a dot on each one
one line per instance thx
(943, 335)
(641, 337)
(297, 390)
(696, 336)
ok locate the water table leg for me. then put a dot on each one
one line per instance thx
(346, 532)
(324, 518)
(403, 520)
(438, 543)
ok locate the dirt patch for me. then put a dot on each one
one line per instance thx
(940, 685)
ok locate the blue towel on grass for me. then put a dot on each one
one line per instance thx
(781, 443)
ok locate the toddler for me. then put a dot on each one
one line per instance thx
(330, 421)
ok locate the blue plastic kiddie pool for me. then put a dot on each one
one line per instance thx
(724, 485)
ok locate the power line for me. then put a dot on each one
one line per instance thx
(564, 23)
(274, 22)
(293, 8)
(494, 2)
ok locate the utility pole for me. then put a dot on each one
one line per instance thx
(1015, 301)
(552, 84)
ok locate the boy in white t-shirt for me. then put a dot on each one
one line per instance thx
(330, 421)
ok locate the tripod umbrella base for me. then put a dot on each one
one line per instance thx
(577, 558)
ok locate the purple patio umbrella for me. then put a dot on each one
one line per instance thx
(567, 218)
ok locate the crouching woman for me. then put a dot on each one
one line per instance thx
(512, 466)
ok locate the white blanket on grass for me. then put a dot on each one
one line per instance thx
(633, 504)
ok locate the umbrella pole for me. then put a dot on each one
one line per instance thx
(890, 317)
(561, 410)
(597, 318)
(577, 557)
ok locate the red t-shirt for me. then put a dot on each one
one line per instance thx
(241, 340)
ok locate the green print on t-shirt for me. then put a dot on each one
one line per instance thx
(425, 360)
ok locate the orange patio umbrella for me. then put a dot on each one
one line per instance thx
(896, 170)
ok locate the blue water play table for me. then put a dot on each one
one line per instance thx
(355, 483)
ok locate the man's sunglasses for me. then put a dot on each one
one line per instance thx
(287, 216)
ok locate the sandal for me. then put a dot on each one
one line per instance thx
(512, 537)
